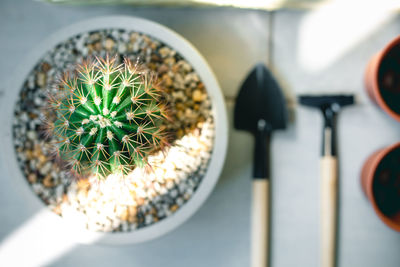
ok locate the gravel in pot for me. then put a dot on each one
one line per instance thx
(141, 198)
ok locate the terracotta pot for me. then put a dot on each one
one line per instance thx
(368, 176)
(371, 78)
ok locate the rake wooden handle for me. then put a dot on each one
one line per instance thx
(329, 191)
(260, 223)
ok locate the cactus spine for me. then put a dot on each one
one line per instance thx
(108, 117)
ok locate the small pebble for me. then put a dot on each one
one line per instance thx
(174, 208)
(48, 181)
(164, 52)
(46, 168)
(41, 79)
(32, 178)
(197, 96)
(31, 135)
(109, 44)
(122, 48)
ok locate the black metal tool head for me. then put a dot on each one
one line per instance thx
(326, 101)
(260, 104)
(330, 105)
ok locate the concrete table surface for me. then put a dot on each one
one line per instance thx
(312, 51)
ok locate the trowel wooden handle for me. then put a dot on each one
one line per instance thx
(329, 210)
(260, 223)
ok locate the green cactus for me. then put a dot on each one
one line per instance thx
(108, 117)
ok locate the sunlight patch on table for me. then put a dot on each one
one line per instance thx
(327, 33)
(39, 241)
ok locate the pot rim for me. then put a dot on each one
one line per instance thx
(381, 154)
(191, 54)
(375, 73)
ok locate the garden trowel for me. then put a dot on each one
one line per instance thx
(260, 109)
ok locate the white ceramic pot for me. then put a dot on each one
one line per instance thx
(183, 47)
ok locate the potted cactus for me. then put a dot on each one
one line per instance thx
(108, 118)
(147, 151)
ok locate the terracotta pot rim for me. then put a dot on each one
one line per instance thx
(375, 163)
(375, 88)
